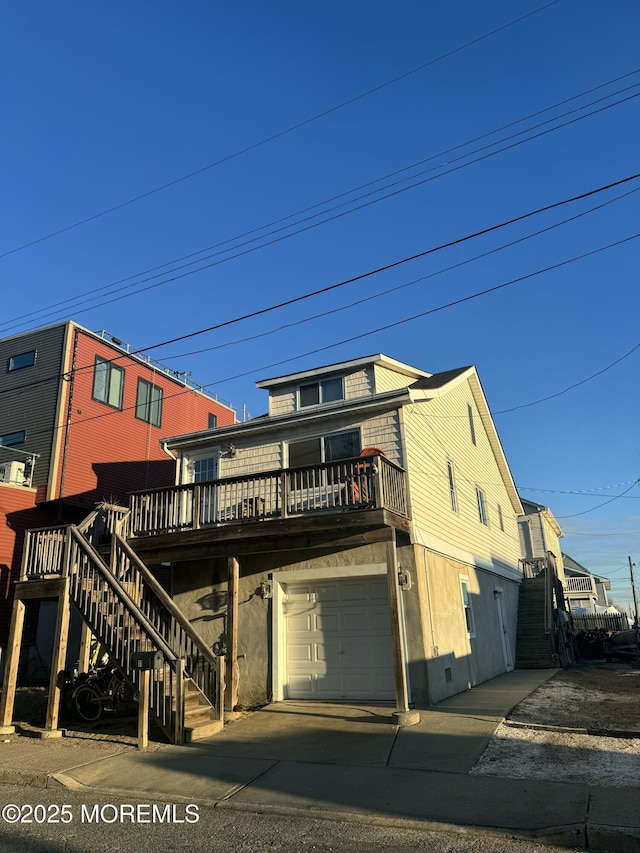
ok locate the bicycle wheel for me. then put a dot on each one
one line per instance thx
(88, 704)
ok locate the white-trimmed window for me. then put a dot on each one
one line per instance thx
(108, 382)
(325, 448)
(500, 518)
(482, 506)
(324, 391)
(451, 480)
(205, 469)
(467, 608)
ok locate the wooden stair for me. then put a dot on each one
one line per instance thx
(533, 643)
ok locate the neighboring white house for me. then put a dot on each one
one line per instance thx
(374, 519)
(586, 592)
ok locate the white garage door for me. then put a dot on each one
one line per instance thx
(338, 640)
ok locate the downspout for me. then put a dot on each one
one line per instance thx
(67, 428)
(165, 449)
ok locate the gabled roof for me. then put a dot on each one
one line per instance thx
(439, 384)
(439, 380)
(531, 508)
(341, 367)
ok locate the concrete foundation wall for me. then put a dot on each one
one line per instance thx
(441, 658)
(200, 590)
(457, 660)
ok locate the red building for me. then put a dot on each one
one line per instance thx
(81, 419)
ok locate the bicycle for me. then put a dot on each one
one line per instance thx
(101, 688)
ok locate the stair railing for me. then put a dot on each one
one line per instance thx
(116, 620)
(201, 664)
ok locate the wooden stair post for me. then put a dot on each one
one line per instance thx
(57, 664)
(11, 668)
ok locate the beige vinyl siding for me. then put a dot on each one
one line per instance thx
(438, 430)
(32, 407)
(268, 453)
(358, 383)
(282, 401)
(390, 380)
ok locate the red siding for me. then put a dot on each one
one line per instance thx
(111, 453)
(17, 514)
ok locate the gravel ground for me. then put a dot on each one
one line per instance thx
(572, 729)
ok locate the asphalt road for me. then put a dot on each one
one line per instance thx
(53, 821)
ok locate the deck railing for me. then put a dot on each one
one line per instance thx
(363, 482)
(581, 585)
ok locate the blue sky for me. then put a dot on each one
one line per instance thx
(106, 103)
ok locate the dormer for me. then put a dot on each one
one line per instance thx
(334, 383)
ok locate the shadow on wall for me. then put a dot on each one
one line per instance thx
(116, 480)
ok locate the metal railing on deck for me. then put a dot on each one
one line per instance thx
(360, 483)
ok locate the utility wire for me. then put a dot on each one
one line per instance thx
(335, 344)
(280, 133)
(92, 293)
(370, 273)
(394, 264)
(599, 506)
(404, 285)
(138, 289)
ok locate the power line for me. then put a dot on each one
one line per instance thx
(404, 285)
(458, 241)
(422, 314)
(599, 506)
(280, 133)
(572, 386)
(370, 273)
(138, 289)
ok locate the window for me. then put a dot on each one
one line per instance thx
(452, 486)
(24, 359)
(329, 448)
(212, 421)
(500, 518)
(205, 469)
(467, 609)
(108, 383)
(149, 403)
(325, 391)
(10, 439)
(472, 427)
(482, 506)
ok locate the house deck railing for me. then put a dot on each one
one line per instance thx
(367, 482)
(580, 585)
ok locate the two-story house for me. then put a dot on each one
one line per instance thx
(357, 542)
(80, 421)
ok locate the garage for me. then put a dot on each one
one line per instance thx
(338, 640)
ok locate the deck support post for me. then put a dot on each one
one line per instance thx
(11, 668)
(232, 634)
(57, 663)
(144, 691)
(403, 715)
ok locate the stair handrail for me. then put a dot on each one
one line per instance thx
(89, 578)
(166, 600)
(153, 601)
(120, 592)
